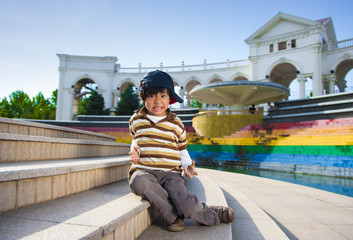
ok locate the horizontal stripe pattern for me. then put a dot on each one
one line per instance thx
(160, 144)
(299, 159)
(329, 150)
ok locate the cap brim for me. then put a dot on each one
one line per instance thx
(175, 98)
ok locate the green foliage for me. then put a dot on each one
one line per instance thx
(21, 106)
(129, 102)
(310, 95)
(5, 108)
(195, 103)
(44, 108)
(93, 105)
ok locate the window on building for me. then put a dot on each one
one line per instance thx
(271, 47)
(294, 43)
(282, 45)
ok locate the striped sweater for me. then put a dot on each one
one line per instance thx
(160, 144)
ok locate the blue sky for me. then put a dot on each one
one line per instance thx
(147, 32)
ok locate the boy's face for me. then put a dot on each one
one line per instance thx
(157, 104)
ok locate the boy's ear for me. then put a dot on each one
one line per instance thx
(140, 95)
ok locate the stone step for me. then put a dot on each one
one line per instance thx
(207, 191)
(107, 212)
(315, 100)
(32, 182)
(186, 119)
(18, 147)
(330, 106)
(322, 131)
(306, 116)
(182, 114)
(27, 127)
(252, 222)
(325, 106)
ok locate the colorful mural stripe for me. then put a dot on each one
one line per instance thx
(323, 147)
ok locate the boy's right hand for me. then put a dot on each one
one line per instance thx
(190, 171)
(135, 155)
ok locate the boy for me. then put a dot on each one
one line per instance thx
(159, 156)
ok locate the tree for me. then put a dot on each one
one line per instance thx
(21, 106)
(5, 108)
(44, 108)
(52, 104)
(129, 102)
(93, 105)
(195, 103)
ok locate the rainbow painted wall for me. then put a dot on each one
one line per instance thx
(323, 147)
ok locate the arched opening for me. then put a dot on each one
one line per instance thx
(188, 87)
(117, 97)
(294, 89)
(124, 86)
(82, 89)
(344, 76)
(349, 81)
(215, 80)
(284, 74)
(240, 78)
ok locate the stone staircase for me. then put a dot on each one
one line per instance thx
(186, 115)
(251, 221)
(62, 183)
(322, 107)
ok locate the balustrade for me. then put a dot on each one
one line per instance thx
(183, 67)
(338, 45)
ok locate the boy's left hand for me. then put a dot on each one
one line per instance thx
(190, 170)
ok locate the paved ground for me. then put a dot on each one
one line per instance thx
(271, 209)
(301, 212)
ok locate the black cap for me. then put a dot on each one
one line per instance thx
(161, 79)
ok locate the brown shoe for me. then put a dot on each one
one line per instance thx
(177, 225)
(225, 214)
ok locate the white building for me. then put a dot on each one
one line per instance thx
(285, 49)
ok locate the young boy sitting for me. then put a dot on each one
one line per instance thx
(159, 156)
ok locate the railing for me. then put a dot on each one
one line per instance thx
(228, 112)
(338, 45)
(183, 67)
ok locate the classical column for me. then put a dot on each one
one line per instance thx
(342, 85)
(301, 79)
(253, 66)
(331, 79)
(60, 97)
(188, 100)
(182, 95)
(107, 97)
(317, 78)
(115, 99)
(68, 100)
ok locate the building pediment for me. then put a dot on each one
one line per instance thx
(281, 24)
